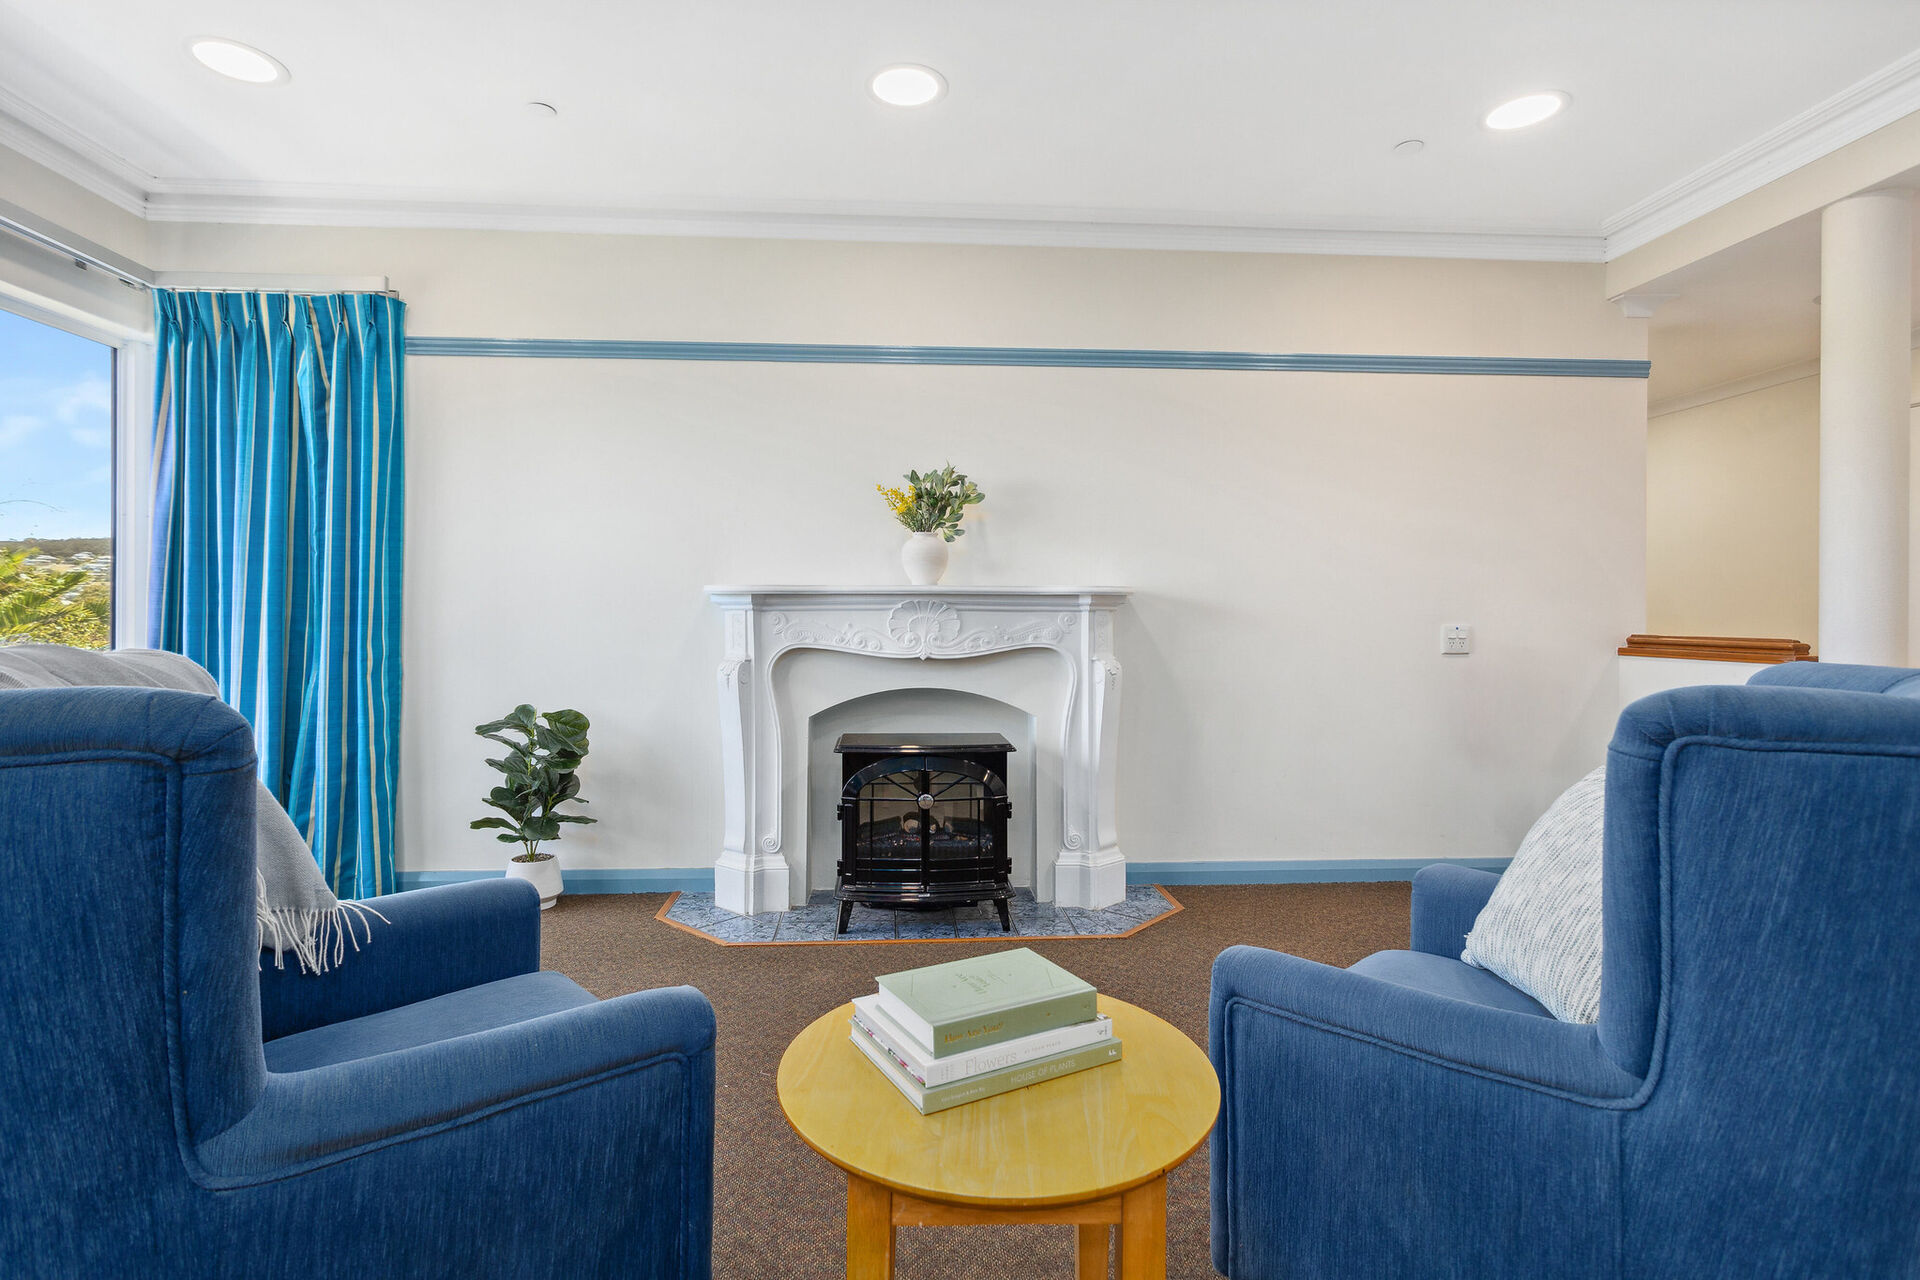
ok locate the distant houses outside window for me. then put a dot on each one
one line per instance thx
(56, 486)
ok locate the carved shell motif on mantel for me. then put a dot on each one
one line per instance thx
(923, 626)
(920, 628)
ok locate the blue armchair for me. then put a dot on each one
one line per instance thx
(436, 1107)
(1748, 1103)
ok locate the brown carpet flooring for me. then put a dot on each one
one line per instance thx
(779, 1209)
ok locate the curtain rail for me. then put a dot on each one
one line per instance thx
(90, 258)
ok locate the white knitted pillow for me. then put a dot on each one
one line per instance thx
(1541, 928)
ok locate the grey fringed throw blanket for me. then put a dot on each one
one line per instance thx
(297, 911)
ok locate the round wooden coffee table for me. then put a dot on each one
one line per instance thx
(1092, 1149)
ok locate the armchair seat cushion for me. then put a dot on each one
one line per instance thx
(1439, 976)
(459, 1013)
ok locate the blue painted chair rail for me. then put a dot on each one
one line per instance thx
(1027, 357)
(435, 1107)
(1748, 1103)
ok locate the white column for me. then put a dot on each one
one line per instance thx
(1866, 251)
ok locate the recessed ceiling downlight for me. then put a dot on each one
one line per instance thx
(1525, 111)
(237, 61)
(908, 85)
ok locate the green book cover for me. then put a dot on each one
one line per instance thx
(992, 1083)
(983, 1000)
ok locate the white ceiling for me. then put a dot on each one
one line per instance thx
(1232, 115)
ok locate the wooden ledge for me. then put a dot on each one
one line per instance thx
(1718, 649)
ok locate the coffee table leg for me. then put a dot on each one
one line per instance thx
(1090, 1252)
(869, 1230)
(1143, 1232)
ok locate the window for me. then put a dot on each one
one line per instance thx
(56, 486)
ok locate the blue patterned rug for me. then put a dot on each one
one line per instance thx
(1144, 904)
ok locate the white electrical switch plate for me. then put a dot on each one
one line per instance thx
(1456, 637)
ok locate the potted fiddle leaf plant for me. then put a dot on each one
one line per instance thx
(541, 769)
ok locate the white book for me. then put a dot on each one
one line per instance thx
(974, 1088)
(932, 1072)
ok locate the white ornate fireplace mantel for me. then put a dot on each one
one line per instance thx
(765, 761)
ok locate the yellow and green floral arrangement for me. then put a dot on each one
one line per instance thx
(934, 502)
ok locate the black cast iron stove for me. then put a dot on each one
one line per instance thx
(923, 822)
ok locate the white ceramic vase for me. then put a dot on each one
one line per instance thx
(925, 558)
(543, 872)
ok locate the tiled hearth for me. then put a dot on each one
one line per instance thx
(696, 913)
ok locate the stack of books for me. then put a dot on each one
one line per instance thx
(954, 1033)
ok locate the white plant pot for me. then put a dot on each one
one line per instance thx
(924, 558)
(543, 873)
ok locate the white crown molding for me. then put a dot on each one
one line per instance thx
(1754, 382)
(47, 142)
(72, 155)
(1737, 387)
(1852, 114)
(275, 205)
(1641, 306)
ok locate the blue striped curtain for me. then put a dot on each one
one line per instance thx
(277, 524)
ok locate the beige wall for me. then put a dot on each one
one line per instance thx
(48, 195)
(1296, 541)
(1733, 516)
(52, 288)
(539, 284)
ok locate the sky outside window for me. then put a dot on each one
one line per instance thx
(56, 433)
(56, 486)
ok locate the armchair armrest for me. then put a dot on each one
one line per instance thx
(435, 941)
(1446, 901)
(306, 1119)
(1521, 1049)
(1341, 1092)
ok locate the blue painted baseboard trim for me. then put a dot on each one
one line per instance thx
(1026, 357)
(1306, 871)
(1303, 871)
(587, 879)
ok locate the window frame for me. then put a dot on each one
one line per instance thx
(129, 452)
